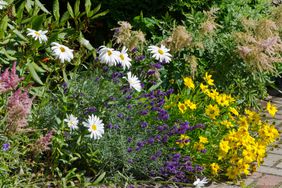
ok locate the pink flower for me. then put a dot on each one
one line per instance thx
(19, 106)
(9, 80)
(42, 144)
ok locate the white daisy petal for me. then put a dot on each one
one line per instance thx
(108, 55)
(95, 127)
(160, 53)
(134, 82)
(37, 35)
(200, 183)
(72, 122)
(123, 58)
(61, 52)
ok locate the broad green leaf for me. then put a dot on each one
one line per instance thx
(70, 10)
(20, 10)
(34, 73)
(3, 26)
(37, 68)
(41, 6)
(96, 9)
(64, 18)
(100, 14)
(100, 178)
(28, 5)
(18, 33)
(76, 8)
(37, 21)
(87, 7)
(56, 10)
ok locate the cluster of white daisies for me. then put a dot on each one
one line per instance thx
(94, 124)
(107, 55)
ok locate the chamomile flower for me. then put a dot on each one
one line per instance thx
(3, 4)
(72, 122)
(108, 55)
(133, 81)
(95, 127)
(160, 53)
(37, 35)
(200, 183)
(62, 52)
(123, 58)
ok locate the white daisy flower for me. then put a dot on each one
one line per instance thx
(133, 82)
(3, 4)
(108, 55)
(37, 35)
(161, 53)
(95, 127)
(62, 52)
(200, 183)
(72, 122)
(123, 58)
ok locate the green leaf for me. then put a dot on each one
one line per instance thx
(70, 10)
(64, 18)
(37, 21)
(76, 8)
(3, 26)
(37, 68)
(87, 7)
(65, 75)
(20, 10)
(100, 178)
(41, 6)
(28, 5)
(96, 9)
(100, 14)
(34, 73)
(56, 10)
(18, 33)
(155, 86)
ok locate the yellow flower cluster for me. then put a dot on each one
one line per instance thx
(240, 149)
(187, 104)
(200, 145)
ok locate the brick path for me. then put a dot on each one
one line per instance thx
(269, 175)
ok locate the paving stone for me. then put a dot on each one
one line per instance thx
(268, 181)
(269, 170)
(271, 159)
(279, 165)
(227, 186)
(249, 181)
(213, 185)
(256, 175)
(277, 150)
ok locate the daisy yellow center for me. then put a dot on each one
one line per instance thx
(37, 33)
(161, 51)
(109, 52)
(62, 49)
(94, 127)
(121, 57)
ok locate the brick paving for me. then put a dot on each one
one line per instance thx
(269, 175)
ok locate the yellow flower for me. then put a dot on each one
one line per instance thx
(271, 109)
(224, 146)
(189, 82)
(227, 124)
(183, 140)
(199, 146)
(204, 88)
(190, 104)
(222, 100)
(234, 111)
(203, 140)
(208, 79)
(212, 111)
(212, 94)
(214, 168)
(182, 108)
